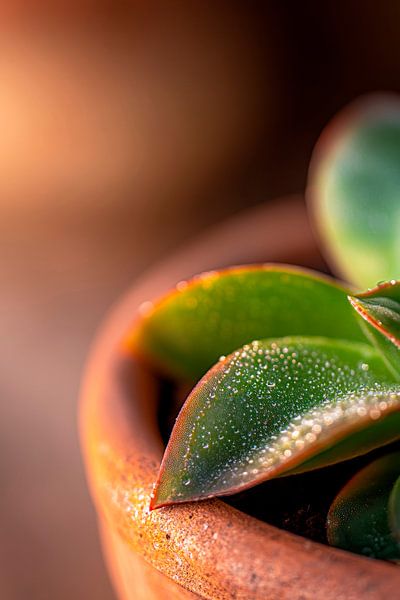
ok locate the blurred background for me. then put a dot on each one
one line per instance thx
(125, 129)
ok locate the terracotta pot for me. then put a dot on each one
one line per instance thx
(205, 549)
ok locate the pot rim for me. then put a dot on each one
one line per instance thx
(192, 543)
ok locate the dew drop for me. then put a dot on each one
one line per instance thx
(146, 307)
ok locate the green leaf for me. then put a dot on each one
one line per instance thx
(358, 519)
(380, 311)
(186, 331)
(354, 191)
(272, 406)
(394, 510)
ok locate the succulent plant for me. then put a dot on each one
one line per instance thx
(295, 371)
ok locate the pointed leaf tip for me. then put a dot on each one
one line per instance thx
(274, 407)
(379, 309)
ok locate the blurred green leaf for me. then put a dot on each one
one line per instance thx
(358, 519)
(354, 188)
(380, 311)
(394, 509)
(186, 331)
(276, 406)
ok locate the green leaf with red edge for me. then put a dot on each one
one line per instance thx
(380, 312)
(186, 331)
(275, 407)
(359, 518)
(354, 190)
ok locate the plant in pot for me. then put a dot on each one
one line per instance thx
(297, 388)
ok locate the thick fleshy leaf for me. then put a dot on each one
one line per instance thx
(354, 189)
(380, 311)
(186, 331)
(358, 519)
(274, 407)
(394, 510)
